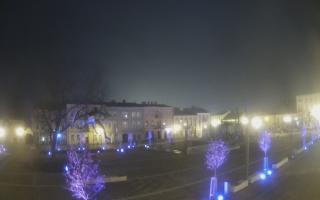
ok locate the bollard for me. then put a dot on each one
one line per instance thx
(213, 187)
(226, 187)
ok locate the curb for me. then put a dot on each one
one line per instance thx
(240, 186)
(280, 163)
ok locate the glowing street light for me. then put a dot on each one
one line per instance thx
(168, 129)
(205, 126)
(215, 123)
(244, 120)
(99, 130)
(19, 131)
(287, 119)
(256, 122)
(2, 132)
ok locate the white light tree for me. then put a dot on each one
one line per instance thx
(83, 176)
(216, 155)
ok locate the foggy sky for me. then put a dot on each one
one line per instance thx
(215, 54)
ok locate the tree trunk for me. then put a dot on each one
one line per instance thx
(53, 143)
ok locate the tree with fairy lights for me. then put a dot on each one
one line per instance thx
(265, 144)
(216, 155)
(82, 175)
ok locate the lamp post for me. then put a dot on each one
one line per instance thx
(185, 126)
(245, 121)
(256, 123)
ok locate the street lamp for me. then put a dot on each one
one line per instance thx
(2, 132)
(205, 126)
(245, 121)
(19, 131)
(215, 123)
(99, 130)
(256, 122)
(287, 119)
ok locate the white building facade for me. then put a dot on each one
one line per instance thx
(122, 122)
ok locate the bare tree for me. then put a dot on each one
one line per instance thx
(53, 114)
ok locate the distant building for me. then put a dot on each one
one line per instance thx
(281, 123)
(189, 124)
(112, 123)
(305, 103)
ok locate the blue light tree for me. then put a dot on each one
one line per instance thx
(82, 175)
(265, 144)
(304, 138)
(150, 138)
(216, 155)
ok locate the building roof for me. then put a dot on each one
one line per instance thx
(125, 104)
(189, 111)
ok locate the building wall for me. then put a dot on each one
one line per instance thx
(123, 121)
(156, 120)
(127, 120)
(305, 103)
(192, 126)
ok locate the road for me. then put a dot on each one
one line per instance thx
(299, 179)
(151, 174)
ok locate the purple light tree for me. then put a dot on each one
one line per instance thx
(265, 144)
(216, 155)
(130, 140)
(304, 138)
(82, 175)
(149, 138)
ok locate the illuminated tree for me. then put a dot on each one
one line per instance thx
(216, 155)
(51, 114)
(82, 175)
(265, 142)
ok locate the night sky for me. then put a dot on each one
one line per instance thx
(214, 54)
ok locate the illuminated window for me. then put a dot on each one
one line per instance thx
(138, 114)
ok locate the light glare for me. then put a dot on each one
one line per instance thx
(262, 176)
(256, 122)
(2, 132)
(220, 197)
(19, 131)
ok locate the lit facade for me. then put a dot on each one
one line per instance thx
(305, 104)
(97, 125)
(192, 126)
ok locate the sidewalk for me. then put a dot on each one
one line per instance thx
(299, 179)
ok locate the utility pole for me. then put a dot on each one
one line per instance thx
(245, 122)
(247, 153)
